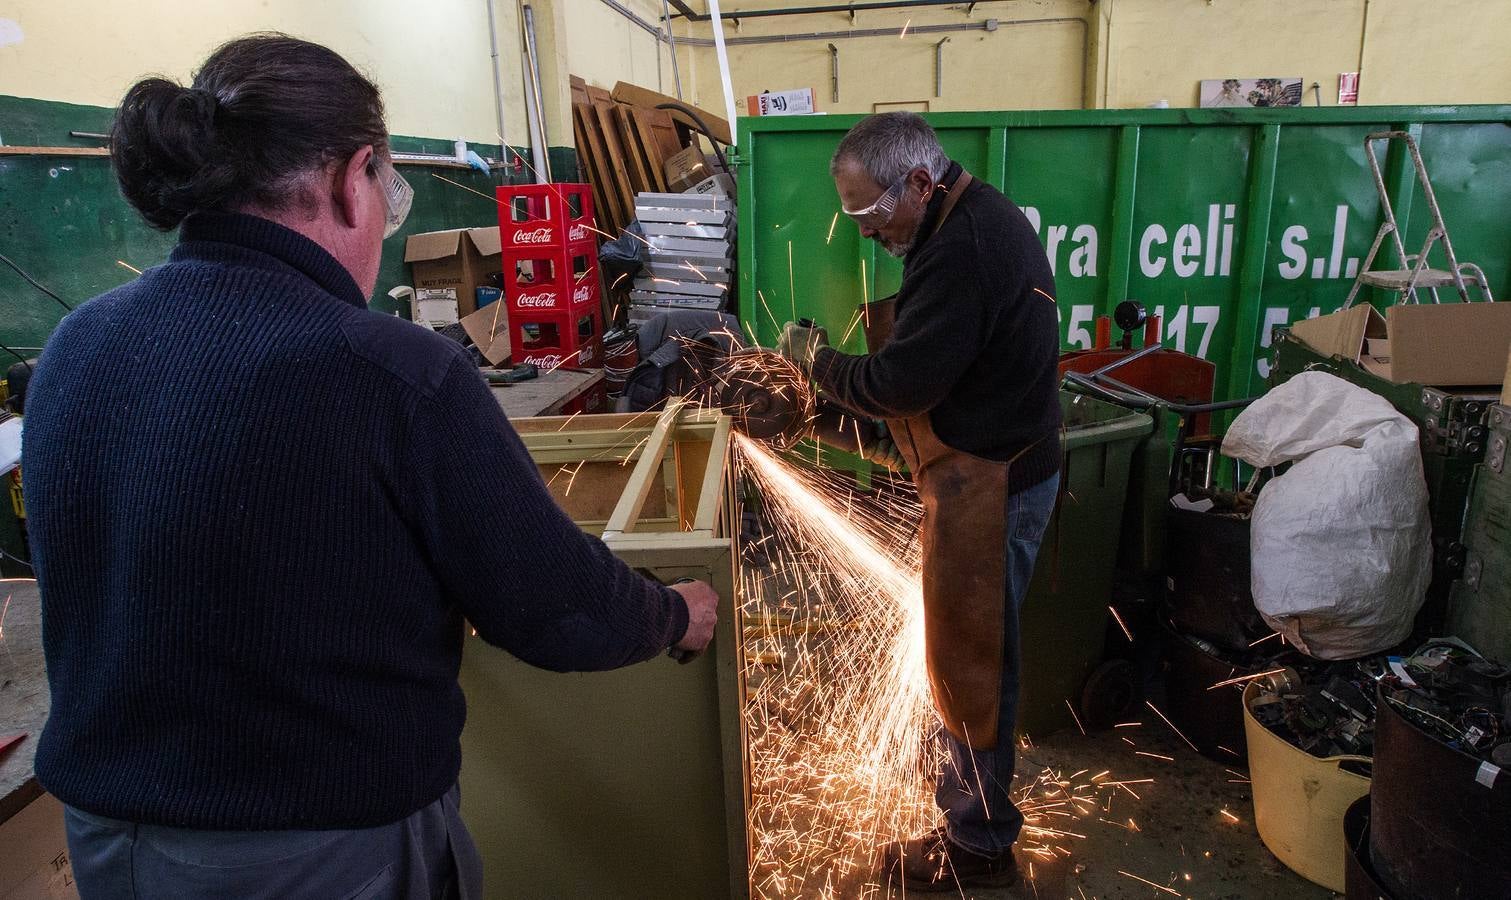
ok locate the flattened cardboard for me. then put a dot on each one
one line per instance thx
(1449, 343)
(460, 259)
(489, 329)
(1440, 344)
(686, 169)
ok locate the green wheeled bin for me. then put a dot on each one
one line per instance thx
(1064, 617)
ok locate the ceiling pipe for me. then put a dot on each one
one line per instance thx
(808, 10)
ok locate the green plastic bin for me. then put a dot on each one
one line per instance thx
(1064, 618)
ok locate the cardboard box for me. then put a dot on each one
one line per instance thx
(686, 169)
(35, 864)
(1440, 344)
(461, 259)
(782, 103)
(489, 329)
(720, 185)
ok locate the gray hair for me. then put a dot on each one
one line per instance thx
(890, 145)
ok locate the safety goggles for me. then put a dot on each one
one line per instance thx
(398, 196)
(879, 214)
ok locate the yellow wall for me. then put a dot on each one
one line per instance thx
(430, 59)
(604, 48)
(1136, 52)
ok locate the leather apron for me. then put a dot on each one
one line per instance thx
(964, 534)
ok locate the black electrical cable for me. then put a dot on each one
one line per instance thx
(24, 361)
(702, 126)
(34, 282)
(17, 560)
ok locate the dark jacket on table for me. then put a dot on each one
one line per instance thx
(259, 513)
(976, 342)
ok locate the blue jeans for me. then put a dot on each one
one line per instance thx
(974, 789)
(428, 854)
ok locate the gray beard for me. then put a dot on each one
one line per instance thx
(899, 250)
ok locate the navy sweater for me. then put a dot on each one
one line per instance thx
(976, 344)
(259, 514)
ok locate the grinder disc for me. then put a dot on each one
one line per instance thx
(767, 396)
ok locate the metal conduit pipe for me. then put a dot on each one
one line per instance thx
(984, 25)
(805, 10)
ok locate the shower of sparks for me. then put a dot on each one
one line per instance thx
(1246, 678)
(1152, 884)
(840, 724)
(128, 266)
(3, 611)
(1274, 634)
(832, 222)
(905, 26)
(1126, 633)
(1172, 725)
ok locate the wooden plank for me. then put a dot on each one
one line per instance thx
(644, 480)
(547, 394)
(625, 92)
(54, 151)
(579, 89)
(611, 204)
(622, 184)
(713, 490)
(629, 141)
(660, 124)
(606, 214)
(646, 141)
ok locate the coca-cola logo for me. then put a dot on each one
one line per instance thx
(552, 361)
(541, 235)
(543, 300)
(577, 233)
(580, 295)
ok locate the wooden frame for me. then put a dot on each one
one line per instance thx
(631, 783)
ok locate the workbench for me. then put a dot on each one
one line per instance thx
(34, 861)
(546, 395)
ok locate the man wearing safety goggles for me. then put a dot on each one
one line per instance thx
(960, 385)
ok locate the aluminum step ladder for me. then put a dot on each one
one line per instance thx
(1414, 271)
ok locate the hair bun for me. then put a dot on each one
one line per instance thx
(163, 145)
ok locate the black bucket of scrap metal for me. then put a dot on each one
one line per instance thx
(1208, 563)
(1440, 827)
(1359, 878)
(1211, 717)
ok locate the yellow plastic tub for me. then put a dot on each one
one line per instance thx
(1299, 801)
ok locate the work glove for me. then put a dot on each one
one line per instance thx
(801, 342)
(882, 450)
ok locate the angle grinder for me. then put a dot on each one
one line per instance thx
(768, 397)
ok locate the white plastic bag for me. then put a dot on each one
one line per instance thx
(1341, 544)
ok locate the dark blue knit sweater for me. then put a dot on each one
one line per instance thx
(259, 513)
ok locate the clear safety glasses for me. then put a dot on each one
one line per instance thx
(879, 214)
(398, 196)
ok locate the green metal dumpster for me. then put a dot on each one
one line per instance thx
(1064, 618)
(1225, 222)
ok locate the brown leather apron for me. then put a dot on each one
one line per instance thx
(964, 535)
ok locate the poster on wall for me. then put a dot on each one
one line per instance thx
(1251, 92)
(1348, 88)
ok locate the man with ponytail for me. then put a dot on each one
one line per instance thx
(258, 521)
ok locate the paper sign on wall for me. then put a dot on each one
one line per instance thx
(1348, 88)
(781, 103)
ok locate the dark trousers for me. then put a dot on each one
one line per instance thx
(429, 854)
(974, 790)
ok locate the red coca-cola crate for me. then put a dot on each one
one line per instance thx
(551, 278)
(552, 339)
(593, 401)
(546, 215)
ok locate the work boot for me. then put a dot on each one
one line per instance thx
(933, 863)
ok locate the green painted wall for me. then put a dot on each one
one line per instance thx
(63, 220)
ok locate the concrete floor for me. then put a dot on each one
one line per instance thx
(1183, 842)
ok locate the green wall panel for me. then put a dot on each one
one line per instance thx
(1227, 222)
(63, 220)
